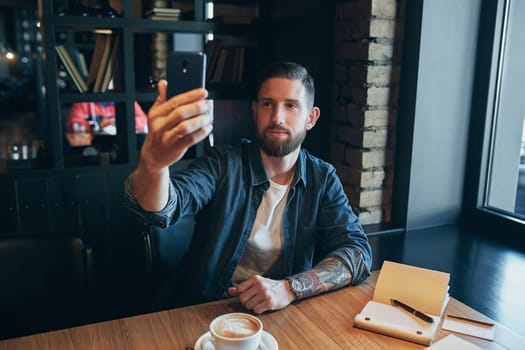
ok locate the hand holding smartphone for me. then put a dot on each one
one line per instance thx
(187, 71)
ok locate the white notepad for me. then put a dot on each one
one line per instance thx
(473, 328)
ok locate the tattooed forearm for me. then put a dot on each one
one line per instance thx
(329, 274)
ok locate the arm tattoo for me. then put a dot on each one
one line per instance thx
(330, 273)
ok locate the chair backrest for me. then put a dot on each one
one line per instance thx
(44, 282)
(37, 269)
(165, 248)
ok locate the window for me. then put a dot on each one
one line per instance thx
(22, 111)
(497, 143)
(505, 186)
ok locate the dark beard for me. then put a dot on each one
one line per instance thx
(279, 148)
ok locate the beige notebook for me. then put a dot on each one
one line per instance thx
(422, 289)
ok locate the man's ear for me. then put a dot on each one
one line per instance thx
(313, 117)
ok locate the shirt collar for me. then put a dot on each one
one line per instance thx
(259, 174)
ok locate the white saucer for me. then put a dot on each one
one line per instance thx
(267, 339)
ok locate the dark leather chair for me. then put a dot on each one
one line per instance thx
(44, 283)
(164, 250)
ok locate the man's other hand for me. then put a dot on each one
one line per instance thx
(261, 294)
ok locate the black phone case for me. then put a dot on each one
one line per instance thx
(186, 71)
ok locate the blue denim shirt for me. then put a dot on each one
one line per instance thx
(224, 189)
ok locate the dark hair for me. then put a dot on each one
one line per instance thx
(288, 70)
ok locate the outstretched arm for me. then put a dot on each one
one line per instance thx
(174, 125)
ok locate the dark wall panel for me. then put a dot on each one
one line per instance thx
(8, 207)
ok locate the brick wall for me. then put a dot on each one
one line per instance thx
(368, 40)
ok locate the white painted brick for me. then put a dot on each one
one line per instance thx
(374, 138)
(366, 138)
(380, 75)
(365, 102)
(382, 28)
(372, 178)
(378, 96)
(364, 198)
(378, 118)
(359, 178)
(384, 8)
(380, 52)
(367, 159)
(372, 215)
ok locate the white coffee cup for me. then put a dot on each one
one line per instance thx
(234, 331)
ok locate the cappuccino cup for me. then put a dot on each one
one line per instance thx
(234, 331)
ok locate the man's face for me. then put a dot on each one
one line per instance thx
(282, 116)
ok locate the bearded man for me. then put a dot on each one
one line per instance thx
(273, 224)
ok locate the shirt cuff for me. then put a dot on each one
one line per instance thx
(160, 218)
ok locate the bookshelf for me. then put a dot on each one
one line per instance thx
(128, 51)
(57, 189)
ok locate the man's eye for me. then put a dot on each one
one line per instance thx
(266, 104)
(292, 106)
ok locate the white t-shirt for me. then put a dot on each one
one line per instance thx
(265, 244)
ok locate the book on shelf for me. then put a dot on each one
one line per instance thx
(81, 63)
(229, 67)
(102, 64)
(238, 74)
(163, 12)
(418, 288)
(228, 58)
(71, 68)
(159, 55)
(111, 65)
(160, 14)
(163, 18)
(218, 69)
(98, 50)
(212, 54)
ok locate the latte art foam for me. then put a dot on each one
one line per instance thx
(236, 327)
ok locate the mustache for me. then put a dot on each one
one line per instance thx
(277, 127)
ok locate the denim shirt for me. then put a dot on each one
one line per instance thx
(224, 189)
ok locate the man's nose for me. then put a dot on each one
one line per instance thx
(278, 114)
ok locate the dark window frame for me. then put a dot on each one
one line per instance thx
(474, 213)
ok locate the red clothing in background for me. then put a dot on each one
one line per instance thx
(84, 115)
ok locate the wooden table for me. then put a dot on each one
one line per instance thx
(322, 322)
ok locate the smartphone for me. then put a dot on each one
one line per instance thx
(186, 71)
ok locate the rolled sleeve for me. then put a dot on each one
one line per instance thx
(343, 235)
(353, 259)
(160, 218)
